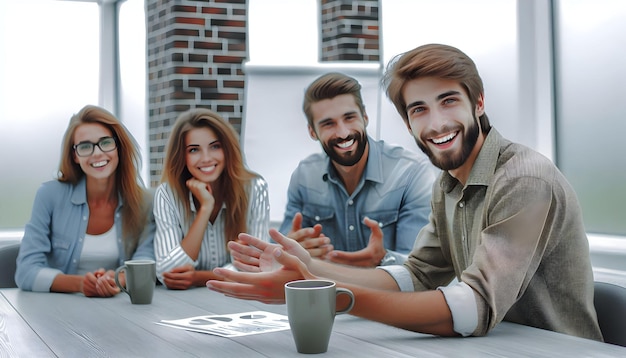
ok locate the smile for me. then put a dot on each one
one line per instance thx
(345, 144)
(208, 169)
(99, 164)
(444, 139)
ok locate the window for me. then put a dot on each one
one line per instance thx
(590, 109)
(48, 72)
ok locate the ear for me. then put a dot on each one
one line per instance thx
(75, 157)
(480, 105)
(312, 133)
(366, 119)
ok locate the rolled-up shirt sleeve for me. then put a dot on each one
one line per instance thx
(459, 297)
(401, 275)
(462, 303)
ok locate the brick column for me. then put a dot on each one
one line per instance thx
(350, 30)
(195, 52)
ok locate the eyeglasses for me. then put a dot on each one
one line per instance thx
(85, 149)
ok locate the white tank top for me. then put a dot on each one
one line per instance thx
(99, 251)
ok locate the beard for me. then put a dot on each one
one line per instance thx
(455, 160)
(346, 159)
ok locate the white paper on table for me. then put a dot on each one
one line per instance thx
(232, 325)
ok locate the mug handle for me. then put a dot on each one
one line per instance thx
(345, 291)
(117, 281)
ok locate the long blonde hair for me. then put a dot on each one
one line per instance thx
(127, 178)
(233, 181)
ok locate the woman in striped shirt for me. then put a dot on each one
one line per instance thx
(206, 198)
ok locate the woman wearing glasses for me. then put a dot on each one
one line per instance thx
(95, 215)
(206, 198)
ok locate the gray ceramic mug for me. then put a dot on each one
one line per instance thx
(140, 280)
(311, 312)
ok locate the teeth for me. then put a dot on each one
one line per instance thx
(99, 164)
(345, 144)
(444, 139)
(207, 169)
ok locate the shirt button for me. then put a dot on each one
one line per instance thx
(461, 204)
(351, 227)
(317, 218)
(84, 218)
(380, 224)
(350, 202)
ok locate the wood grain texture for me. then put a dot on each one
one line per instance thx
(71, 325)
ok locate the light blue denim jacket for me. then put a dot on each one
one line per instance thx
(395, 190)
(54, 236)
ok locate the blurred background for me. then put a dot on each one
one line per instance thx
(552, 72)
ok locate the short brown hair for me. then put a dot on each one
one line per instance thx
(330, 86)
(433, 60)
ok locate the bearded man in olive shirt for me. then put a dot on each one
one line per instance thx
(505, 222)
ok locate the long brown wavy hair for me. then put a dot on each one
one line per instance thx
(233, 181)
(127, 178)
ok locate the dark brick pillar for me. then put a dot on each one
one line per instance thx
(350, 30)
(195, 52)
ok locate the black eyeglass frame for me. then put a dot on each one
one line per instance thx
(93, 146)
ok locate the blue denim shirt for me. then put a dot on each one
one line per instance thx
(54, 236)
(395, 190)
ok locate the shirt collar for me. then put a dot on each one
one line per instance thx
(484, 166)
(373, 168)
(79, 195)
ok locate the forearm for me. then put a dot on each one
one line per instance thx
(192, 242)
(366, 277)
(67, 283)
(424, 312)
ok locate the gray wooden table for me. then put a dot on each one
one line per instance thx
(70, 325)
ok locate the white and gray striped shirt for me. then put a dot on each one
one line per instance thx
(171, 227)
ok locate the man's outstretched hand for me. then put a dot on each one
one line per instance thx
(370, 256)
(276, 267)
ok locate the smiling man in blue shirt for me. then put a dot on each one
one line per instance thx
(331, 195)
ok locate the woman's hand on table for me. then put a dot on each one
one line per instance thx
(100, 283)
(179, 278)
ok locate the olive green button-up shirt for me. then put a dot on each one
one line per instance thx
(513, 237)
